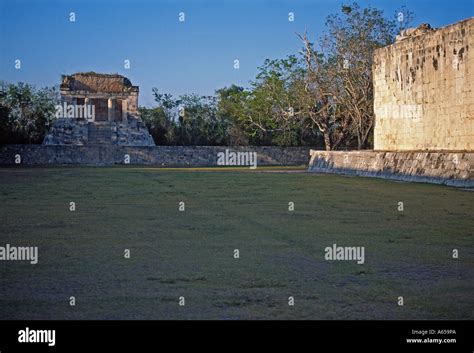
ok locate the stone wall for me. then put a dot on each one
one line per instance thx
(447, 168)
(67, 132)
(78, 132)
(423, 91)
(132, 133)
(189, 156)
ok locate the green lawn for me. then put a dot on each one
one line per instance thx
(190, 253)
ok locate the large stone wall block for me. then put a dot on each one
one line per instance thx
(423, 91)
(454, 169)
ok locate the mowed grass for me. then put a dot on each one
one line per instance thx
(190, 253)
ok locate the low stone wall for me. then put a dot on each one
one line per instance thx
(187, 156)
(447, 168)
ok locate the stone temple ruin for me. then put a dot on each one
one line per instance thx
(98, 109)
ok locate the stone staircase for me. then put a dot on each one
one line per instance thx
(100, 133)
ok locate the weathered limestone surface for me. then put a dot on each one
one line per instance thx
(423, 91)
(68, 132)
(132, 133)
(447, 168)
(182, 156)
(93, 82)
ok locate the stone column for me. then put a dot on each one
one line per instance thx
(64, 104)
(111, 110)
(74, 103)
(133, 103)
(124, 111)
(89, 109)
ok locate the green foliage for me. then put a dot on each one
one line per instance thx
(158, 124)
(25, 112)
(199, 123)
(159, 120)
(188, 120)
(264, 112)
(232, 106)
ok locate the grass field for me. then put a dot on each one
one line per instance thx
(191, 253)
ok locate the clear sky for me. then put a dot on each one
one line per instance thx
(194, 56)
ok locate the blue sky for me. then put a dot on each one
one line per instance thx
(194, 56)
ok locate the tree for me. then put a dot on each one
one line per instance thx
(273, 101)
(266, 112)
(339, 73)
(25, 112)
(199, 123)
(319, 98)
(232, 106)
(160, 120)
(188, 120)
